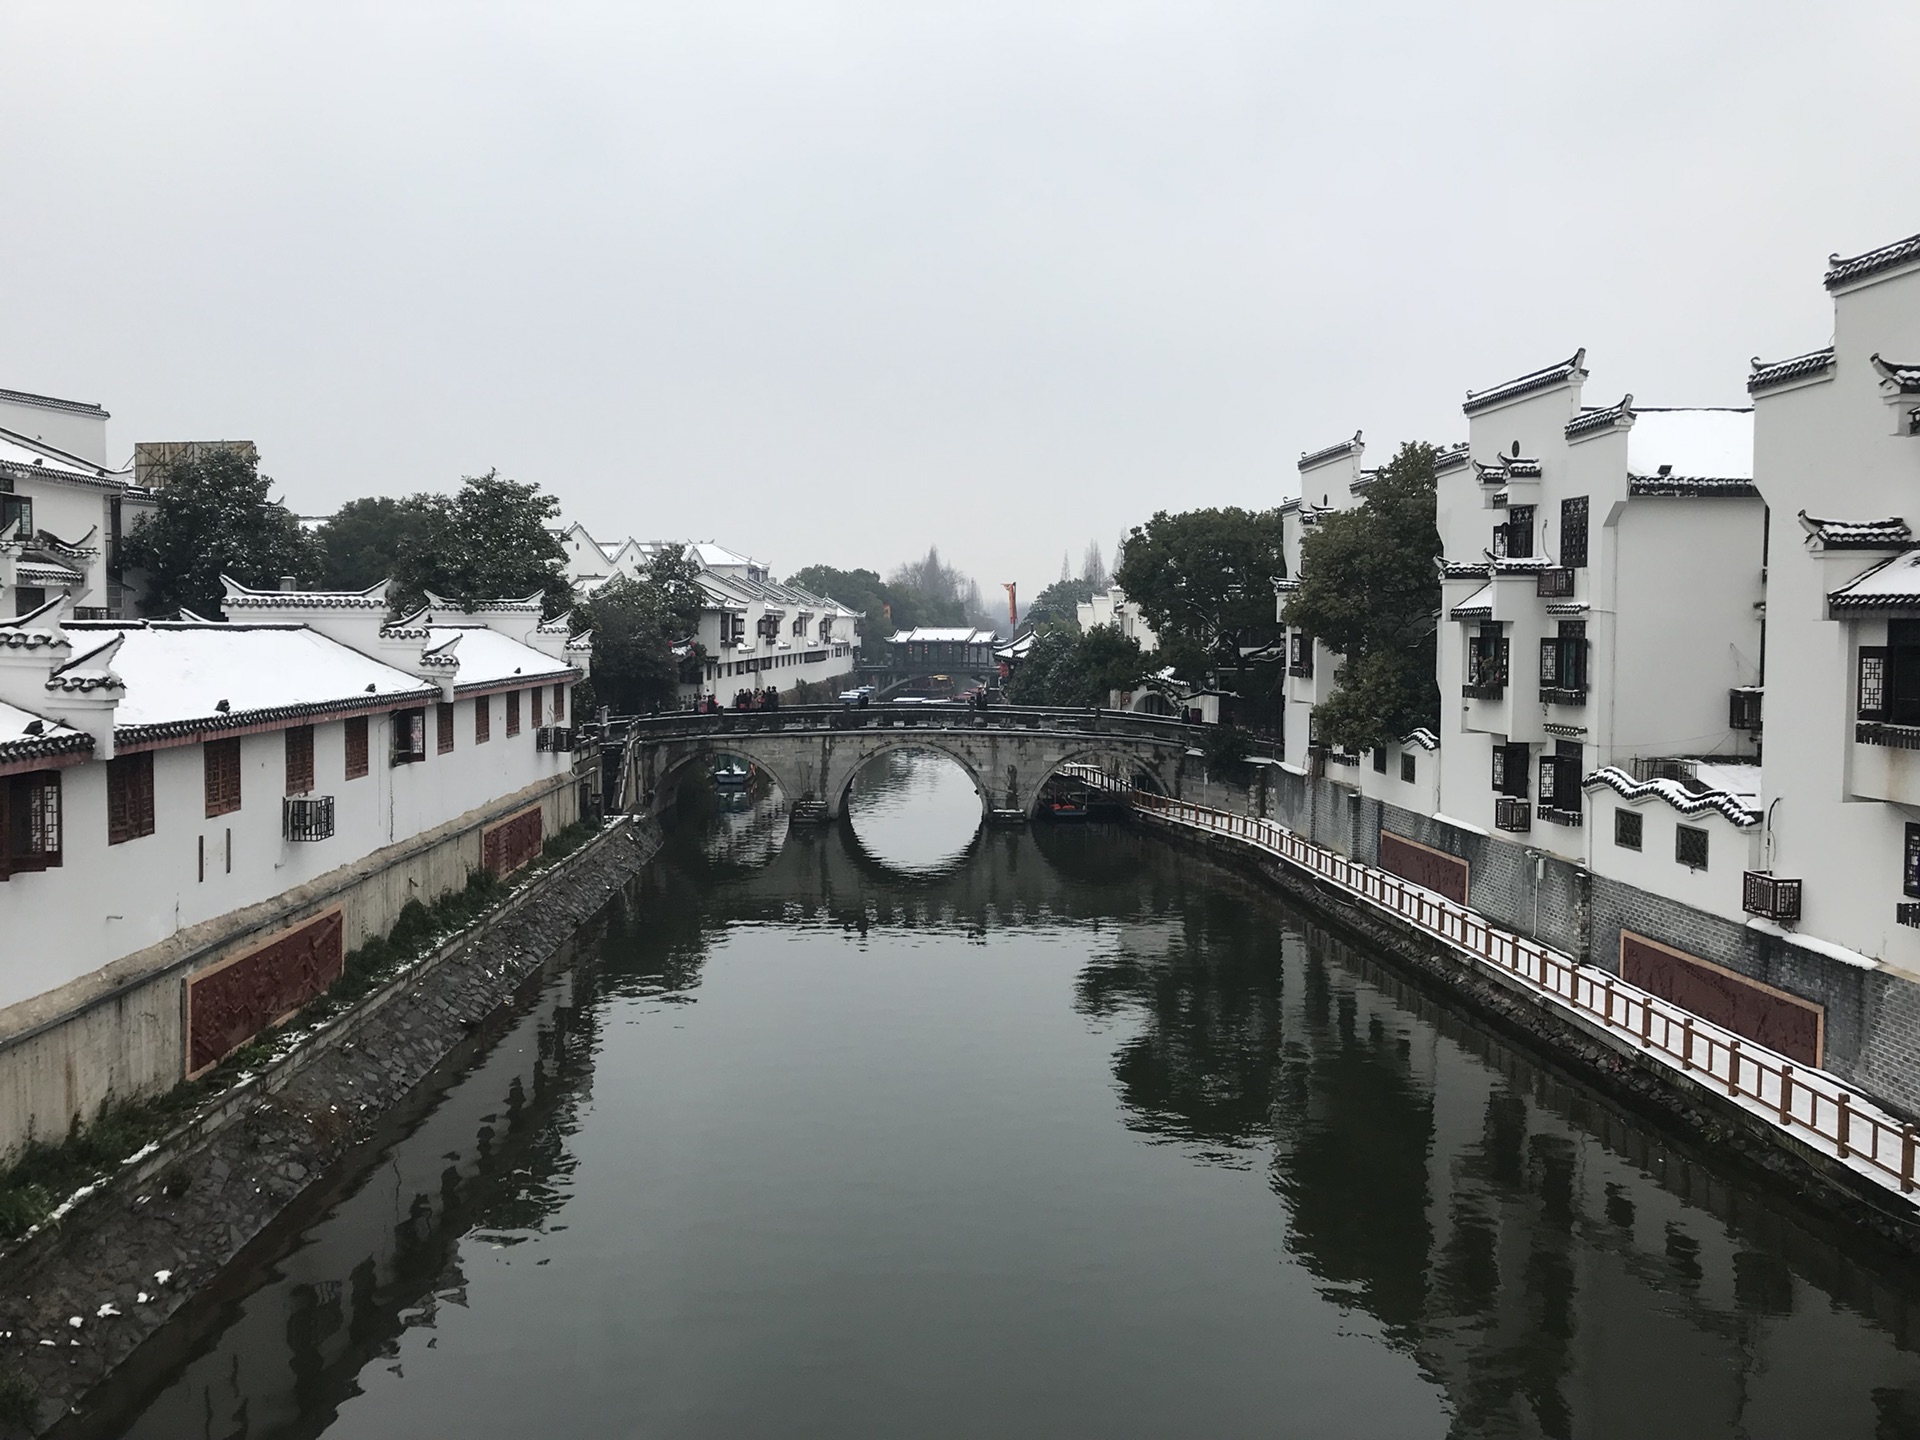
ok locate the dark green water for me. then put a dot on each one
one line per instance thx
(1045, 1134)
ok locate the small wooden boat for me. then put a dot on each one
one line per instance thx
(732, 775)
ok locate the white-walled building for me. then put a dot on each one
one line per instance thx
(63, 508)
(198, 818)
(1603, 598)
(757, 633)
(1837, 444)
(753, 632)
(1112, 607)
(1331, 479)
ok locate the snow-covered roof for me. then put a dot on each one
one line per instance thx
(1477, 606)
(1859, 267)
(1735, 807)
(1016, 648)
(1891, 533)
(1896, 378)
(25, 736)
(1422, 737)
(1768, 373)
(712, 556)
(938, 634)
(1892, 584)
(373, 599)
(1331, 452)
(32, 572)
(26, 457)
(54, 402)
(1463, 569)
(178, 674)
(1691, 445)
(1544, 379)
(1451, 458)
(489, 660)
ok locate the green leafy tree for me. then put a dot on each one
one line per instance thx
(1205, 580)
(1059, 604)
(490, 541)
(1369, 590)
(216, 517)
(1071, 667)
(636, 624)
(361, 543)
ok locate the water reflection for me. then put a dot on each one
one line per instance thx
(914, 811)
(1077, 1136)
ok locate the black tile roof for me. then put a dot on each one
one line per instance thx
(1889, 534)
(1547, 379)
(1450, 458)
(1901, 252)
(1904, 379)
(1591, 421)
(1331, 452)
(1768, 373)
(1691, 486)
(49, 402)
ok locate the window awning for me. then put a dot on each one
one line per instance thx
(1477, 606)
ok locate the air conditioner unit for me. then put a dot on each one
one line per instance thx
(554, 738)
(307, 817)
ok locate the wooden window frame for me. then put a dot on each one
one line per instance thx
(483, 719)
(299, 759)
(560, 704)
(533, 707)
(513, 713)
(443, 728)
(359, 751)
(31, 830)
(1629, 823)
(220, 766)
(129, 797)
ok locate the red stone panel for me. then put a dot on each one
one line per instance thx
(1440, 872)
(1783, 1022)
(235, 1000)
(505, 847)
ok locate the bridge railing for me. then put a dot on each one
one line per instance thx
(677, 724)
(1812, 1105)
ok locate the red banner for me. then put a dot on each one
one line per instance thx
(505, 847)
(1440, 872)
(234, 1001)
(1783, 1022)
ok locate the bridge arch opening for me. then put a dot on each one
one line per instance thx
(914, 808)
(1099, 774)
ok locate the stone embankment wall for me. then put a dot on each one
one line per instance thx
(190, 1211)
(120, 1033)
(1872, 1013)
(1640, 1084)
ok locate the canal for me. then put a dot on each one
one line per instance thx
(898, 1129)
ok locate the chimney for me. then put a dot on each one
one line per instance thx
(289, 584)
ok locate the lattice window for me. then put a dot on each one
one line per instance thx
(29, 822)
(483, 720)
(1380, 759)
(300, 760)
(356, 747)
(443, 728)
(559, 703)
(513, 713)
(1407, 767)
(129, 797)
(1690, 846)
(222, 760)
(1628, 829)
(1910, 865)
(1573, 532)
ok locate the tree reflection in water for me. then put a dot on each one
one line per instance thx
(1551, 1265)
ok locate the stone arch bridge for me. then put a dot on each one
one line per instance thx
(813, 752)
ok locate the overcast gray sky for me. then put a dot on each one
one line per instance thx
(826, 281)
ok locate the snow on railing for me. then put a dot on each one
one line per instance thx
(1809, 1104)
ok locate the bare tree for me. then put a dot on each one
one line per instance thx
(1093, 569)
